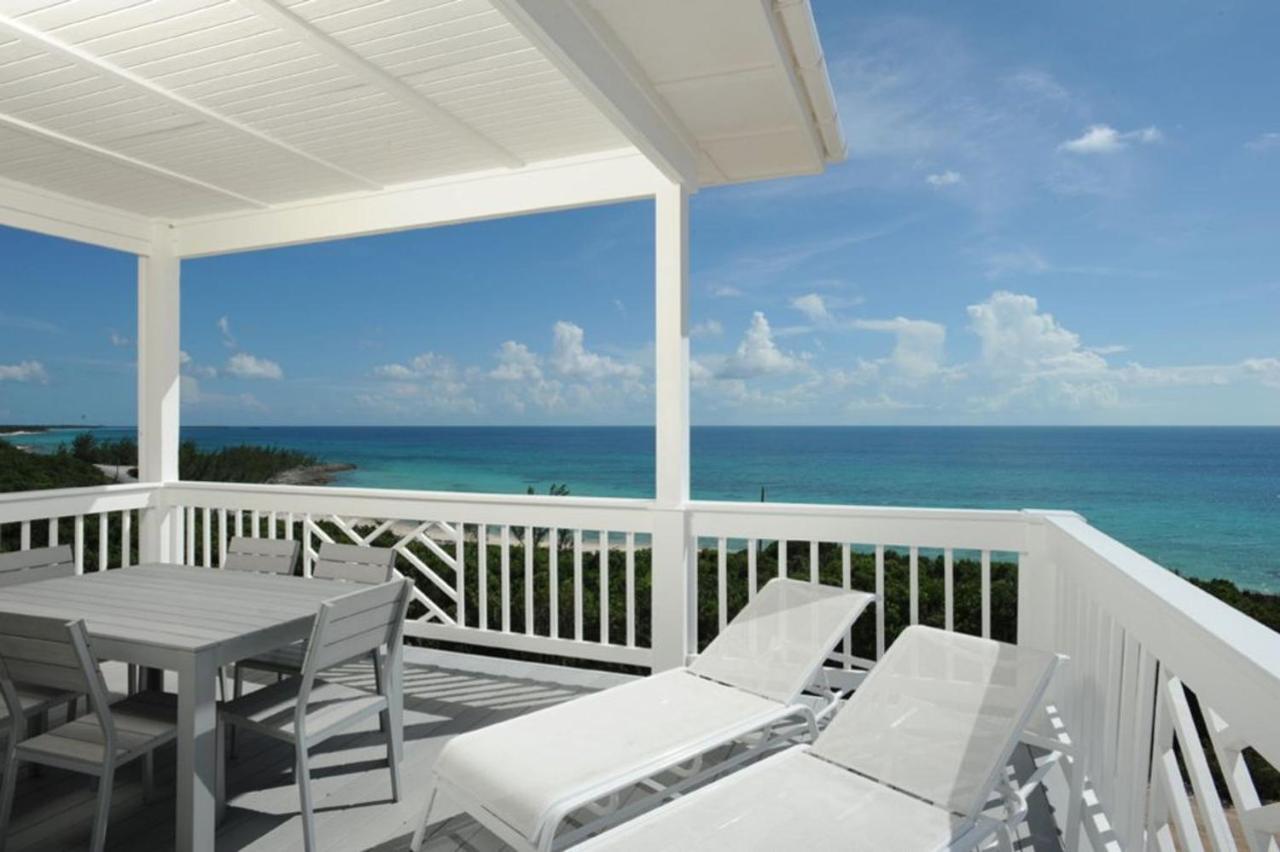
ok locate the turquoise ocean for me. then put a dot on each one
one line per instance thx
(1202, 501)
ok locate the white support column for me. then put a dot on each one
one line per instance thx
(158, 389)
(674, 553)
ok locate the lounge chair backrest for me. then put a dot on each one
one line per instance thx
(775, 644)
(261, 555)
(41, 563)
(355, 564)
(939, 716)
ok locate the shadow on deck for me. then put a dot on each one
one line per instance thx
(445, 694)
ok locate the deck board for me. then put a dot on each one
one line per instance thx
(445, 694)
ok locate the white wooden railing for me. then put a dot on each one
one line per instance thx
(1165, 683)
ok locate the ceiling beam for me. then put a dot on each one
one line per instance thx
(116, 157)
(552, 185)
(45, 212)
(567, 40)
(97, 65)
(375, 76)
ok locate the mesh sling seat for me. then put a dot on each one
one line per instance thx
(521, 778)
(910, 763)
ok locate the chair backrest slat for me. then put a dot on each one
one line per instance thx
(41, 563)
(776, 643)
(939, 716)
(355, 563)
(48, 652)
(262, 555)
(356, 624)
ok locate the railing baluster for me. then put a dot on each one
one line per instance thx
(271, 525)
(880, 602)
(528, 580)
(126, 534)
(722, 582)
(308, 564)
(986, 594)
(288, 529)
(222, 541)
(460, 574)
(813, 562)
(782, 557)
(79, 543)
(53, 532)
(206, 538)
(24, 535)
(577, 584)
(752, 580)
(553, 586)
(189, 554)
(604, 587)
(846, 579)
(948, 589)
(254, 525)
(482, 573)
(506, 578)
(631, 589)
(239, 523)
(104, 541)
(914, 568)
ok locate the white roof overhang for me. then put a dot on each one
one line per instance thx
(241, 124)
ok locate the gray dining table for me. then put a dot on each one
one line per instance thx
(190, 621)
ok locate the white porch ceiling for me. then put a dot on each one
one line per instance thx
(176, 110)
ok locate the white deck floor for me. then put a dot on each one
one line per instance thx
(445, 694)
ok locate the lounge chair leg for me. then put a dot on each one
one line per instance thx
(393, 748)
(303, 777)
(102, 814)
(421, 833)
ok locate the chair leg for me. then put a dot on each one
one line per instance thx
(392, 750)
(238, 677)
(377, 687)
(303, 776)
(10, 783)
(220, 770)
(102, 814)
(149, 776)
(421, 834)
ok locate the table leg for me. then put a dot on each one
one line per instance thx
(395, 695)
(197, 754)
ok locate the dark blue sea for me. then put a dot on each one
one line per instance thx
(1203, 501)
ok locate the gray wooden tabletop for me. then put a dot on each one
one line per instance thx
(175, 607)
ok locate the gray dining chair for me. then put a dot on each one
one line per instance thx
(348, 562)
(41, 563)
(305, 711)
(53, 654)
(263, 555)
(32, 566)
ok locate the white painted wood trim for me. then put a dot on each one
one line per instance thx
(45, 212)
(562, 33)
(552, 185)
(159, 313)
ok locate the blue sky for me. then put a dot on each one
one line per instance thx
(1050, 214)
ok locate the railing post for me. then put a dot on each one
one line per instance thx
(158, 392)
(672, 554)
(673, 604)
(1037, 586)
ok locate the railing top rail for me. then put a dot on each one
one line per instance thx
(456, 497)
(20, 506)
(837, 510)
(1213, 647)
(72, 493)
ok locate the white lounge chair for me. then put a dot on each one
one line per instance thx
(521, 778)
(910, 763)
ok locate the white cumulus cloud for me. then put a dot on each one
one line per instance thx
(758, 354)
(24, 371)
(1105, 139)
(246, 366)
(941, 179)
(812, 306)
(516, 363)
(570, 357)
(917, 352)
